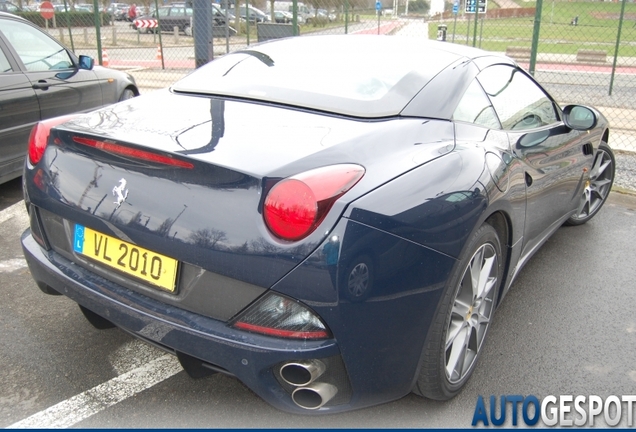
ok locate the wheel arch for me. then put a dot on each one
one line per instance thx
(133, 88)
(502, 224)
(605, 137)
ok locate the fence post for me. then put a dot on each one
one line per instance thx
(475, 29)
(294, 17)
(163, 66)
(98, 33)
(535, 36)
(226, 7)
(175, 31)
(114, 35)
(68, 23)
(618, 41)
(347, 16)
(203, 36)
(247, 18)
(61, 34)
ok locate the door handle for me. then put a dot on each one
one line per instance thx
(41, 85)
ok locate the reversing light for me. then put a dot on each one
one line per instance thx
(295, 206)
(278, 316)
(40, 136)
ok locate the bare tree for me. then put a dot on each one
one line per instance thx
(207, 238)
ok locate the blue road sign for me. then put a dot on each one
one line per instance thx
(378, 5)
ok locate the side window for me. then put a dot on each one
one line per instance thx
(189, 11)
(4, 63)
(475, 108)
(520, 104)
(37, 51)
(177, 11)
(163, 12)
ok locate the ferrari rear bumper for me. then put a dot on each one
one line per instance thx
(255, 360)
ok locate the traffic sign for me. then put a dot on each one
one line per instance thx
(480, 6)
(145, 23)
(455, 7)
(378, 5)
(47, 10)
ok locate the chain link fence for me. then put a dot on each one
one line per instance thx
(581, 51)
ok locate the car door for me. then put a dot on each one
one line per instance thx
(553, 155)
(19, 110)
(60, 85)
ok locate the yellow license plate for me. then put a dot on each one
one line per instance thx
(149, 266)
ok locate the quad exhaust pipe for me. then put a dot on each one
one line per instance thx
(302, 373)
(314, 396)
(309, 393)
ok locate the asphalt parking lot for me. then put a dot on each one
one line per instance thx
(566, 327)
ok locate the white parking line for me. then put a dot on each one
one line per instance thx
(135, 377)
(81, 406)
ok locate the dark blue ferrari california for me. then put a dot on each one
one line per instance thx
(332, 220)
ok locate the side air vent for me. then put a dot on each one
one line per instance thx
(588, 150)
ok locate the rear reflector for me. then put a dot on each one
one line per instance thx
(278, 316)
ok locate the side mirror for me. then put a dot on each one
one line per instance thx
(86, 62)
(579, 117)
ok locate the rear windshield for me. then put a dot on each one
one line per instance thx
(362, 76)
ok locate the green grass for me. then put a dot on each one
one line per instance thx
(597, 29)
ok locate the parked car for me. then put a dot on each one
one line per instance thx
(181, 16)
(255, 15)
(332, 227)
(114, 9)
(324, 13)
(43, 79)
(283, 17)
(304, 13)
(6, 6)
(84, 8)
(121, 13)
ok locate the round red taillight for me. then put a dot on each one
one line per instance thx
(290, 209)
(295, 206)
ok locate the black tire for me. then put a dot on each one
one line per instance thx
(127, 94)
(597, 188)
(453, 324)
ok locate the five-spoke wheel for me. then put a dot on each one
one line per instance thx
(457, 335)
(597, 187)
(471, 312)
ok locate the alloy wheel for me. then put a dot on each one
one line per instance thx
(598, 187)
(471, 313)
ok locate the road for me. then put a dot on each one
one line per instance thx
(566, 327)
